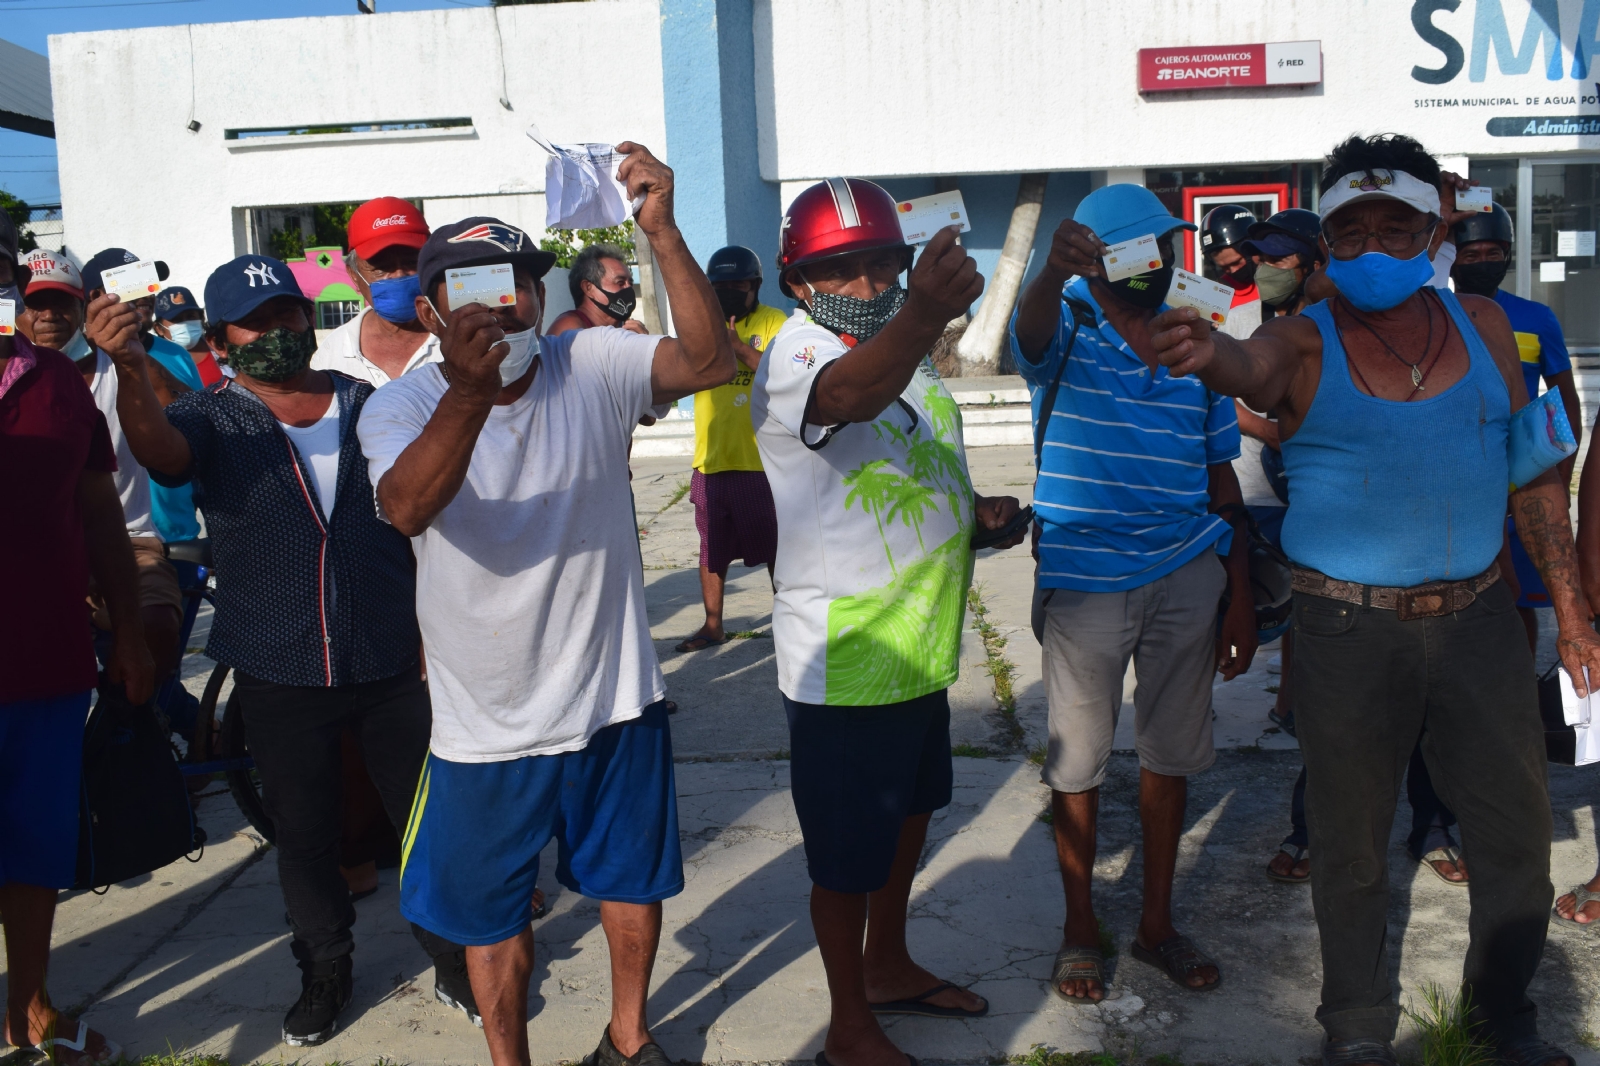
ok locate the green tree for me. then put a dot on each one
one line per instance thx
(874, 488)
(328, 225)
(19, 210)
(567, 243)
(911, 503)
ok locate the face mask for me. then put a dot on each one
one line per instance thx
(1144, 290)
(277, 355)
(395, 299)
(1374, 281)
(1480, 279)
(861, 319)
(735, 304)
(1240, 276)
(621, 304)
(184, 334)
(524, 346)
(1278, 285)
(77, 347)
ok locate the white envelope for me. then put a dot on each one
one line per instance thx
(1477, 198)
(134, 281)
(1126, 259)
(921, 218)
(8, 317)
(493, 286)
(1211, 298)
(581, 190)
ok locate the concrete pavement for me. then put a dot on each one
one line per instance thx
(196, 955)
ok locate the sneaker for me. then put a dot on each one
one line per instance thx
(607, 1054)
(452, 987)
(324, 992)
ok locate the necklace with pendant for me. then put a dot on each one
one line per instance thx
(1418, 375)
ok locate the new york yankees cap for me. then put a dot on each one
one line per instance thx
(475, 241)
(113, 257)
(241, 285)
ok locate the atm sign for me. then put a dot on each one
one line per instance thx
(1230, 66)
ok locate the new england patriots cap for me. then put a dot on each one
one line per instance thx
(477, 240)
(241, 285)
(113, 257)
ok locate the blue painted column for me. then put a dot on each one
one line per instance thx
(708, 76)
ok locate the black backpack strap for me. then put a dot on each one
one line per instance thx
(1082, 315)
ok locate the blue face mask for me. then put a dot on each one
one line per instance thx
(184, 334)
(1374, 281)
(395, 299)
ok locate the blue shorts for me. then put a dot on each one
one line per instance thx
(471, 851)
(41, 765)
(1533, 593)
(856, 774)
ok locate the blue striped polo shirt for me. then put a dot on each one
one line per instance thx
(1122, 487)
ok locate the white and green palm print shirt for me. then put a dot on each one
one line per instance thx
(874, 528)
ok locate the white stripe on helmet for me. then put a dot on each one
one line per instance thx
(844, 202)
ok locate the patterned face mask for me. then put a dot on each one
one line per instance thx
(276, 355)
(861, 319)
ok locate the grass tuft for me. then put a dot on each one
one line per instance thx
(1036, 754)
(1043, 1055)
(781, 755)
(751, 634)
(1445, 1029)
(1001, 669)
(677, 494)
(971, 751)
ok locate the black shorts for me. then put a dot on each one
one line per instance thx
(856, 774)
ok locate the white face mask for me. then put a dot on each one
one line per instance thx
(524, 347)
(184, 334)
(77, 347)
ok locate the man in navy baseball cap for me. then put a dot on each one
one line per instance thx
(181, 320)
(474, 242)
(115, 257)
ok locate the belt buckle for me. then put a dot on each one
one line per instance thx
(1433, 600)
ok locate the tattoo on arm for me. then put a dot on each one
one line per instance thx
(1546, 534)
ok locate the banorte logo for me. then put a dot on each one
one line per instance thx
(392, 220)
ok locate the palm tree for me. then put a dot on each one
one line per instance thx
(873, 487)
(980, 344)
(912, 500)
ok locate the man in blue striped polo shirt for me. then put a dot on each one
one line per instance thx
(1135, 468)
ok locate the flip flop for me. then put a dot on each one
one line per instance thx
(1295, 852)
(700, 643)
(920, 1005)
(1451, 854)
(1580, 895)
(1177, 957)
(1078, 964)
(46, 1047)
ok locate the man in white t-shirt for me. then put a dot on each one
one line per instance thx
(385, 340)
(507, 466)
(876, 516)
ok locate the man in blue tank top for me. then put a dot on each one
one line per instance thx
(1393, 401)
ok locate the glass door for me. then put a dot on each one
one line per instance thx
(1561, 248)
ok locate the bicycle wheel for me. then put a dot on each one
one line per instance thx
(245, 784)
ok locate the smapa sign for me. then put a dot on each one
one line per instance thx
(1230, 66)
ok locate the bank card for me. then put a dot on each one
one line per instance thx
(8, 317)
(492, 286)
(1210, 298)
(133, 281)
(1127, 258)
(1477, 198)
(921, 218)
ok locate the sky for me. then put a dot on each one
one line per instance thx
(28, 163)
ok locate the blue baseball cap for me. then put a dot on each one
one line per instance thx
(113, 257)
(241, 285)
(173, 301)
(1125, 211)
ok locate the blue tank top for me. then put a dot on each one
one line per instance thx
(1390, 493)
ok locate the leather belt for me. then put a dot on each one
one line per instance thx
(1432, 600)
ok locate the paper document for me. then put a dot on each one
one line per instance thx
(1211, 298)
(581, 190)
(1578, 713)
(1574, 242)
(1477, 198)
(491, 286)
(921, 218)
(132, 282)
(1556, 270)
(1128, 258)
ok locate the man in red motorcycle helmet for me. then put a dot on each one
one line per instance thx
(876, 518)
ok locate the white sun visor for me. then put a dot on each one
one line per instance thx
(1380, 184)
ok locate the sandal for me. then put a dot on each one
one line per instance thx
(1449, 853)
(1358, 1053)
(700, 642)
(822, 1060)
(1580, 896)
(1296, 853)
(1177, 957)
(1528, 1051)
(48, 1047)
(920, 1005)
(1078, 964)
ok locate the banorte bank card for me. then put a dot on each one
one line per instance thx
(8, 318)
(1125, 259)
(134, 281)
(492, 286)
(921, 218)
(1211, 298)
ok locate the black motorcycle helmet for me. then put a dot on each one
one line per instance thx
(1302, 226)
(1223, 227)
(1491, 225)
(733, 263)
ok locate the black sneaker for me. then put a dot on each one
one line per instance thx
(608, 1055)
(452, 987)
(324, 992)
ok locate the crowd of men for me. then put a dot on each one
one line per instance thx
(423, 537)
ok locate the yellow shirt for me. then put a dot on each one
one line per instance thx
(724, 439)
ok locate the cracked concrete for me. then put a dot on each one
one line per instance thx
(196, 955)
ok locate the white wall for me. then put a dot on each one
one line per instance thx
(133, 175)
(908, 87)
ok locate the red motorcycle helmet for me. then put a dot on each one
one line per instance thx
(837, 217)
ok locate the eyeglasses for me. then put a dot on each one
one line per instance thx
(1395, 240)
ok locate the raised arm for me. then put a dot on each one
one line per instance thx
(113, 327)
(700, 356)
(1074, 251)
(860, 384)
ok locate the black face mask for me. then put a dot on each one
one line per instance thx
(735, 304)
(1480, 279)
(621, 304)
(1144, 290)
(1240, 276)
